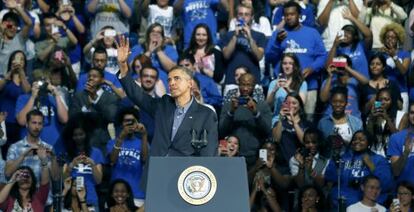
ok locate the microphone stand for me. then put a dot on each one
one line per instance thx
(58, 197)
(198, 144)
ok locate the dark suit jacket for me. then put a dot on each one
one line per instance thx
(101, 113)
(198, 118)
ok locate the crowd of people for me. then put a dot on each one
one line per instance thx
(316, 95)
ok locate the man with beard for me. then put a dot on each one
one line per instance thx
(31, 150)
(148, 77)
(306, 43)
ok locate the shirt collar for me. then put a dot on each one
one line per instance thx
(186, 106)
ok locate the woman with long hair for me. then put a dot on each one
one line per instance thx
(82, 160)
(121, 198)
(289, 80)
(289, 130)
(208, 59)
(163, 56)
(377, 65)
(385, 119)
(398, 60)
(21, 194)
(357, 162)
(12, 86)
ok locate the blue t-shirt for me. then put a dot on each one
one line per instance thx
(51, 125)
(396, 148)
(394, 74)
(358, 57)
(129, 164)
(209, 90)
(280, 97)
(85, 171)
(307, 15)
(353, 104)
(307, 44)
(353, 171)
(198, 11)
(171, 53)
(8, 99)
(242, 55)
(83, 78)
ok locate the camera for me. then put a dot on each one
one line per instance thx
(304, 152)
(377, 105)
(43, 87)
(243, 100)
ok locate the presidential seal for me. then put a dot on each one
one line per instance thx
(197, 185)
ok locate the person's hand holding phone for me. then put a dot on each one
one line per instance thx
(281, 35)
(251, 105)
(140, 128)
(234, 104)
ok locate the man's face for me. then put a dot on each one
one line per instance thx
(291, 17)
(34, 126)
(48, 23)
(10, 28)
(129, 122)
(179, 83)
(148, 79)
(372, 189)
(95, 78)
(245, 14)
(246, 85)
(99, 60)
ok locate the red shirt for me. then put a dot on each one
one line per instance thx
(38, 200)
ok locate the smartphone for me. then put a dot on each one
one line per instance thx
(339, 62)
(341, 34)
(130, 122)
(377, 104)
(396, 203)
(80, 183)
(243, 100)
(223, 143)
(240, 22)
(55, 29)
(281, 77)
(263, 154)
(109, 33)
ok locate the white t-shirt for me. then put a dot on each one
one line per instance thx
(359, 207)
(263, 26)
(336, 20)
(165, 17)
(345, 131)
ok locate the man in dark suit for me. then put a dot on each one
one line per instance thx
(176, 117)
(99, 103)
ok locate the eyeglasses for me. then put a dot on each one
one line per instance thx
(149, 76)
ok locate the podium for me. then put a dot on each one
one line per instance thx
(179, 184)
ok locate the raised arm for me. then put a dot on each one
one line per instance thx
(366, 32)
(26, 18)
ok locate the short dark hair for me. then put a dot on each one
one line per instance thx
(99, 50)
(186, 56)
(127, 111)
(11, 16)
(48, 15)
(100, 71)
(34, 112)
(340, 90)
(148, 67)
(370, 177)
(293, 4)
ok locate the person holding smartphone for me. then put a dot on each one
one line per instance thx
(246, 117)
(129, 152)
(403, 202)
(290, 79)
